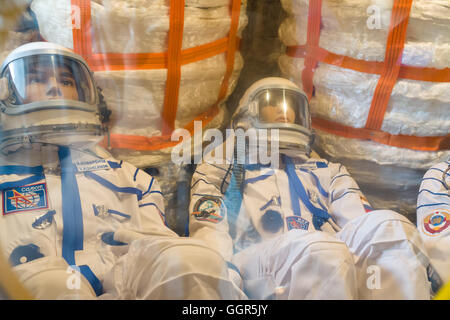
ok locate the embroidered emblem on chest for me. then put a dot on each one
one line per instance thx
(25, 198)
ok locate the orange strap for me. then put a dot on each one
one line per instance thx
(373, 67)
(143, 143)
(174, 66)
(392, 62)
(389, 71)
(312, 41)
(82, 43)
(231, 50)
(401, 141)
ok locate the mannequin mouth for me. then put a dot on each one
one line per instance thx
(281, 119)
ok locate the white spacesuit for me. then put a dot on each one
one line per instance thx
(304, 229)
(75, 224)
(433, 216)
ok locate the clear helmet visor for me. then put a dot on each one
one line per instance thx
(48, 77)
(284, 106)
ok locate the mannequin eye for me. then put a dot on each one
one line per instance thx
(36, 78)
(67, 82)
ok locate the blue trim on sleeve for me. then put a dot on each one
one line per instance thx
(113, 187)
(345, 193)
(434, 179)
(135, 174)
(198, 180)
(448, 174)
(339, 176)
(149, 187)
(434, 193)
(200, 173)
(434, 204)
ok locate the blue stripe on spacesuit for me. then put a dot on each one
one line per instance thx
(434, 204)
(319, 202)
(217, 167)
(201, 173)
(115, 165)
(19, 183)
(21, 170)
(320, 164)
(73, 232)
(256, 166)
(149, 187)
(340, 176)
(353, 191)
(259, 178)
(434, 179)
(149, 204)
(113, 187)
(224, 180)
(264, 207)
(319, 215)
(119, 213)
(162, 214)
(318, 185)
(198, 180)
(294, 196)
(135, 174)
(448, 174)
(434, 193)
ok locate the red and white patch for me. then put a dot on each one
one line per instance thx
(436, 222)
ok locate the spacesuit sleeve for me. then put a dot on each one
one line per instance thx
(150, 219)
(207, 211)
(433, 201)
(345, 197)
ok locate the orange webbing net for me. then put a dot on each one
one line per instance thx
(389, 70)
(172, 60)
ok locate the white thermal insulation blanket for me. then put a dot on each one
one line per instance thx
(136, 97)
(416, 108)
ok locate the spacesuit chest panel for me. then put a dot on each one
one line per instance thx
(268, 199)
(28, 225)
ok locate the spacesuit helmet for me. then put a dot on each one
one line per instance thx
(48, 95)
(277, 103)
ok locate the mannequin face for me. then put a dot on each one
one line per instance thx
(278, 114)
(43, 84)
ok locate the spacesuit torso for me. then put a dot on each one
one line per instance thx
(75, 205)
(313, 195)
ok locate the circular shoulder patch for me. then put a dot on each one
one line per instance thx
(208, 208)
(436, 222)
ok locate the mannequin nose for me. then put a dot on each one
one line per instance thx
(53, 88)
(281, 110)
